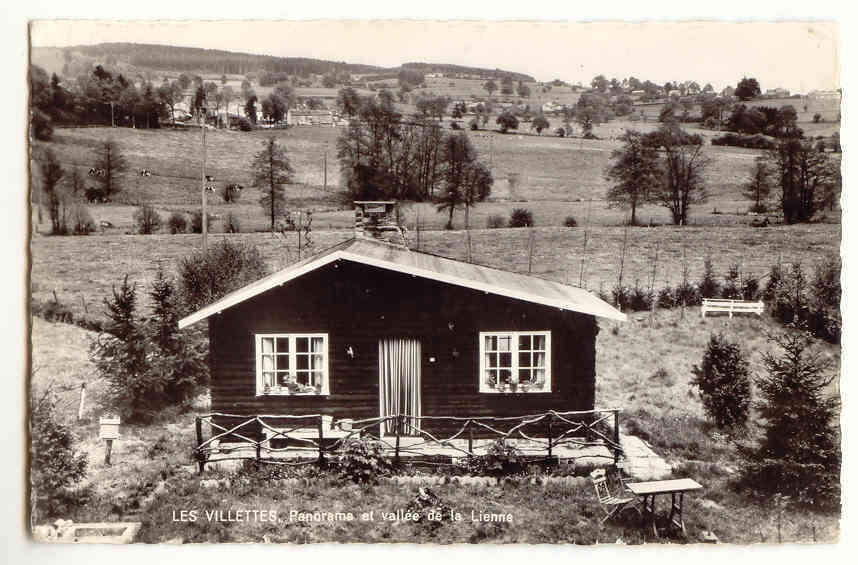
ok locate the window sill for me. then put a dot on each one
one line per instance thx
(509, 391)
(287, 393)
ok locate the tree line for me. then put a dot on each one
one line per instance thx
(386, 156)
(667, 167)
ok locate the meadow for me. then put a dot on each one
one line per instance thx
(554, 177)
(82, 270)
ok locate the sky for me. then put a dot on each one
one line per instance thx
(794, 55)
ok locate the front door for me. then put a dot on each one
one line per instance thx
(399, 362)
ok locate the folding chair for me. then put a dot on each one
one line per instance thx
(611, 505)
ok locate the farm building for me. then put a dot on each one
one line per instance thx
(369, 328)
(310, 117)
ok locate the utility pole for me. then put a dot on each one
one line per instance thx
(326, 168)
(112, 122)
(205, 227)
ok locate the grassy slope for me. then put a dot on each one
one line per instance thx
(554, 175)
(81, 268)
(666, 411)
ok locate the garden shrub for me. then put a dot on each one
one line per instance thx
(570, 222)
(621, 297)
(666, 298)
(521, 218)
(724, 383)
(177, 223)
(55, 464)
(500, 459)
(751, 288)
(640, 298)
(825, 318)
(687, 294)
(496, 221)
(362, 461)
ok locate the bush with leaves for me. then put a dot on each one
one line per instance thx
(495, 221)
(147, 219)
(362, 461)
(751, 288)
(640, 298)
(799, 453)
(521, 218)
(724, 382)
(197, 222)
(824, 301)
(204, 278)
(177, 223)
(501, 459)
(55, 464)
(570, 222)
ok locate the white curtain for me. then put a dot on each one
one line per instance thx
(399, 375)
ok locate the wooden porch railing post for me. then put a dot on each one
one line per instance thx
(470, 437)
(201, 460)
(398, 430)
(549, 418)
(321, 439)
(616, 436)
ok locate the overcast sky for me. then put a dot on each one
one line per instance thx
(797, 56)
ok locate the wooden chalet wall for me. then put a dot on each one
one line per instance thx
(357, 305)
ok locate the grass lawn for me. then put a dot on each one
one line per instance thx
(150, 479)
(81, 270)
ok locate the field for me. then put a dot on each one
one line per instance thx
(82, 270)
(555, 177)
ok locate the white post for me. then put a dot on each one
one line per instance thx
(82, 401)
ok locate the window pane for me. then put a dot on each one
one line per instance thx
(505, 375)
(302, 344)
(282, 345)
(539, 342)
(539, 359)
(524, 342)
(539, 376)
(524, 359)
(302, 378)
(316, 362)
(504, 343)
(267, 362)
(524, 375)
(282, 378)
(505, 359)
(317, 344)
(491, 343)
(267, 379)
(491, 359)
(267, 345)
(491, 378)
(303, 362)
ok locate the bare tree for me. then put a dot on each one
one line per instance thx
(683, 164)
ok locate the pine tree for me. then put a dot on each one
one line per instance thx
(271, 170)
(724, 383)
(799, 453)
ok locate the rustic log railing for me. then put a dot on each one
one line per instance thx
(233, 437)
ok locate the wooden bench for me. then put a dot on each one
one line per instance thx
(730, 306)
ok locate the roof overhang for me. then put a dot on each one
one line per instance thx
(594, 307)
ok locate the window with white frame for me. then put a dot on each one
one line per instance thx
(515, 361)
(291, 364)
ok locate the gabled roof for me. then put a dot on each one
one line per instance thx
(395, 258)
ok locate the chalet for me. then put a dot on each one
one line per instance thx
(369, 328)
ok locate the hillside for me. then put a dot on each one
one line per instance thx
(160, 58)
